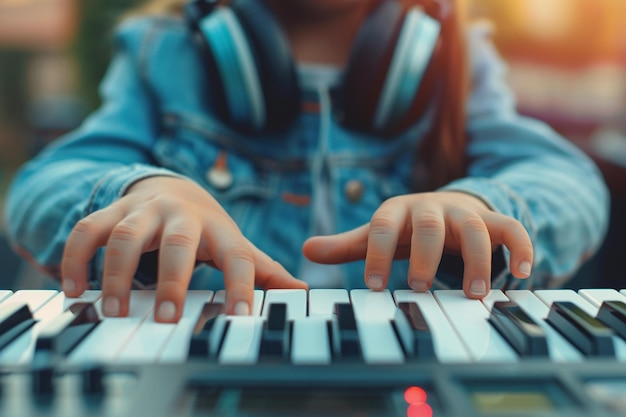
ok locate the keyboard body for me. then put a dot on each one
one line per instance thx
(133, 366)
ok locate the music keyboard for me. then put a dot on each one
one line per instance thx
(317, 353)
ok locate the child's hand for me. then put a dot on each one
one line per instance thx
(420, 227)
(186, 224)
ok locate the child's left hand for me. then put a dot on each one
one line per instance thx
(421, 227)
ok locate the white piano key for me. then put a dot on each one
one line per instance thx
(220, 297)
(5, 294)
(309, 343)
(146, 344)
(22, 350)
(34, 298)
(550, 296)
(176, 347)
(379, 342)
(492, 297)
(105, 342)
(469, 319)
(597, 296)
(322, 301)
(448, 346)
(560, 350)
(373, 312)
(295, 300)
(242, 340)
(372, 305)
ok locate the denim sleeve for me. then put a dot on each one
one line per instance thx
(89, 168)
(522, 168)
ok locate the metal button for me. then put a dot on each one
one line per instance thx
(219, 178)
(354, 190)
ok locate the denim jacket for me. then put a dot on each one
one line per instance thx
(157, 119)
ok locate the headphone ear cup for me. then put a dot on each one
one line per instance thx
(275, 65)
(368, 64)
(392, 54)
(250, 67)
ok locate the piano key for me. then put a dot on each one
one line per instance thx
(220, 297)
(5, 294)
(205, 330)
(414, 332)
(345, 336)
(373, 305)
(448, 345)
(177, 346)
(107, 341)
(559, 349)
(242, 340)
(613, 314)
(295, 301)
(275, 338)
(322, 301)
(550, 296)
(22, 350)
(597, 296)
(469, 318)
(34, 298)
(147, 343)
(374, 311)
(519, 329)
(15, 319)
(61, 334)
(585, 332)
(310, 343)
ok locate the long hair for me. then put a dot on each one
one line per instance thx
(443, 150)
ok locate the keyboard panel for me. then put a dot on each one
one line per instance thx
(133, 365)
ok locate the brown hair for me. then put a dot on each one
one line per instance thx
(443, 151)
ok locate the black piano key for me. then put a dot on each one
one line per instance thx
(585, 332)
(613, 314)
(520, 331)
(65, 331)
(276, 336)
(345, 335)
(15, 319)
(208, 331)
(413, 331)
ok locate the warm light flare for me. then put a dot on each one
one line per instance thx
(415, 395)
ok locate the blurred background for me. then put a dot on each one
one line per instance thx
(567, 65)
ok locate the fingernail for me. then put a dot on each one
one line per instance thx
(111, 307)
(375, 282)
(242, 309)
(69, 285)
(525, 268)
(167, 310)
(420, 286)
(478, 287)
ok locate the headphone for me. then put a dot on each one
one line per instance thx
(390, 78)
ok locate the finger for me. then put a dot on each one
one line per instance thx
(427, 243)
(232, 254)
(382, 241)
(508, 231)
(339, 248)
(128, 240)
(86, 237)
(177, 258)
(271, 274)
(476, 251)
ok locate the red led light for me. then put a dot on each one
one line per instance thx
(415, 395)
(419, 410)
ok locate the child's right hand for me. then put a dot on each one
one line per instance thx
(186, 224)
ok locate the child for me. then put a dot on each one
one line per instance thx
(231, 134)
